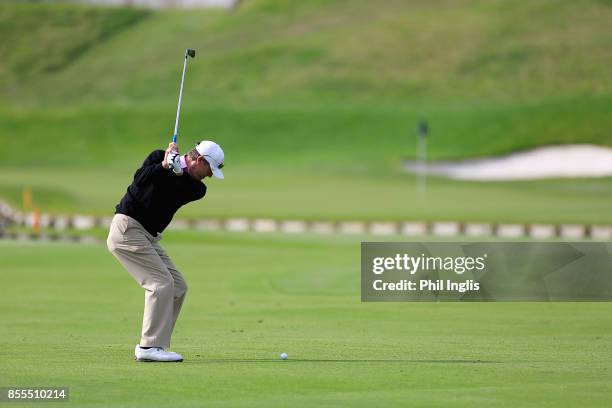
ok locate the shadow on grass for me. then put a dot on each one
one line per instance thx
(200, 360)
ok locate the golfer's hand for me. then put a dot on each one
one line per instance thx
(172, 147)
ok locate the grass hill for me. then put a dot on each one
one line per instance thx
(42, 39)
(316, 52)
(329, 90)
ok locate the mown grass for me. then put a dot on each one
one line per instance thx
(286, 139)
(71, 317)
(258, 192)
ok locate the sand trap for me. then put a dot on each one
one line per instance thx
(564, 161)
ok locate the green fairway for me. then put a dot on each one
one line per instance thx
(71, 317)
(320, 196)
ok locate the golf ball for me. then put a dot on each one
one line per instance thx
(284, 356)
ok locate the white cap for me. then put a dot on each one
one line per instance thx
(214, 155)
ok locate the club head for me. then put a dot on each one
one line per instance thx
(190, 52)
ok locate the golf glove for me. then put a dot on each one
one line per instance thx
(174, 163)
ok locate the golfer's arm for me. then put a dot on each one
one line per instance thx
(152, 169)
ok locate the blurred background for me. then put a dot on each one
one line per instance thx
(317, 104)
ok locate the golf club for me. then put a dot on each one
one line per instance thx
(188, 53)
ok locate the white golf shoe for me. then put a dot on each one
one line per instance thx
(156, 354)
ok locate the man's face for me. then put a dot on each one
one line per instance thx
(200, 169)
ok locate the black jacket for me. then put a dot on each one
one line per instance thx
(156, 194)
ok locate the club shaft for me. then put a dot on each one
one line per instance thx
(178, 109)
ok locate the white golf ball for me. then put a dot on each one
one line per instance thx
(284, 356)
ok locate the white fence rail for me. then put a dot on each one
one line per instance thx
(225, 4)
(80, 222)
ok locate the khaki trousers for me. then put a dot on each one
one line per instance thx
(139, 252)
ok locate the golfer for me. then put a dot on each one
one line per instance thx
(165, 182)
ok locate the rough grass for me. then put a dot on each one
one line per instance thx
(325, 94)
(40, 39)
(325, 52)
